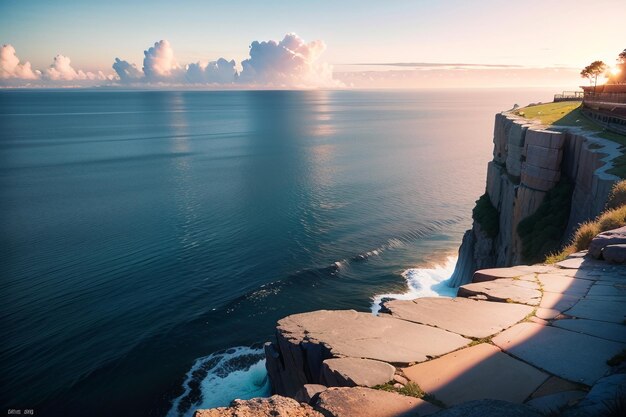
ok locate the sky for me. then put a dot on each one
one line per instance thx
(532, 43)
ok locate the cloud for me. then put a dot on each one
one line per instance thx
(10, 66)
(289, 63)
(159, 62)
(61, 70)
(220, 72)
(126, 71)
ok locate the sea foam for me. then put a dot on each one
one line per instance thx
(215, 380)
(423, 282)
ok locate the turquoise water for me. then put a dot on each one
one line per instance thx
(151, 239)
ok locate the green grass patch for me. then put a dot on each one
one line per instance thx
(476, 341)
(551, 113)
(487, 216)
(411, 389)
(542, 231)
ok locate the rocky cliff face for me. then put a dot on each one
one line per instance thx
(528, 161)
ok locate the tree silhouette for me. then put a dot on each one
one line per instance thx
(592, 71)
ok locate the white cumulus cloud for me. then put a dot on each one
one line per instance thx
(10, 66)
(159, 62)
(289, 63)
(62, 70)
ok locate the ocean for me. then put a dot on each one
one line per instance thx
(152, 239)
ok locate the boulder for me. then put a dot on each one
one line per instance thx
(352, 372)
(489, 408)
(460, 315)
(606, 398)
(615, 253)
(366, 402)
(275, 406)
(553, 402)
(610, 237)
(503, 290)
(305, 340)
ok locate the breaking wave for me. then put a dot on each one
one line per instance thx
(422, 282)
(215, 380)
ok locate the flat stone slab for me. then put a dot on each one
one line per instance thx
(602, 329)
(460, 315)
(613, 289)
(585, 263)
(489, 408)
(274, 406)
(564, 285)
(553, 304)
(601, 400)
(362, 335)
(554, 402)
(483, 275)
(477, 372)
(366, 402)
(571, 263)
(602, 310)
(352, 372)
(503, 290)
(569, 355)
(538, 269)
(554, 385)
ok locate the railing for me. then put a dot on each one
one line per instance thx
(569, 96)
(615, 98)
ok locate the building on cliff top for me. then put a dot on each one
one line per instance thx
(606, 104)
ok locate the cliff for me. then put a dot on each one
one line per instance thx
(529, 160)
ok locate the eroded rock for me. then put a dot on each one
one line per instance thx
(610, 237)
(275, 406)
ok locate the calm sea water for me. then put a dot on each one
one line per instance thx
(151, 239)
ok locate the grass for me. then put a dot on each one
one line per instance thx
(487, 216)
(476, 341)
(411, 389)
(551, 113)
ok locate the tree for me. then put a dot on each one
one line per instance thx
(592, 71)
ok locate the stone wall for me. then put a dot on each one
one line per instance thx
(529, 160)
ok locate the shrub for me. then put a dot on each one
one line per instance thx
(612, 219)
(584, 234)
(487, 216)
(617, 198)
(541, 233)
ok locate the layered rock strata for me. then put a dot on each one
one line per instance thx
(528, 161)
